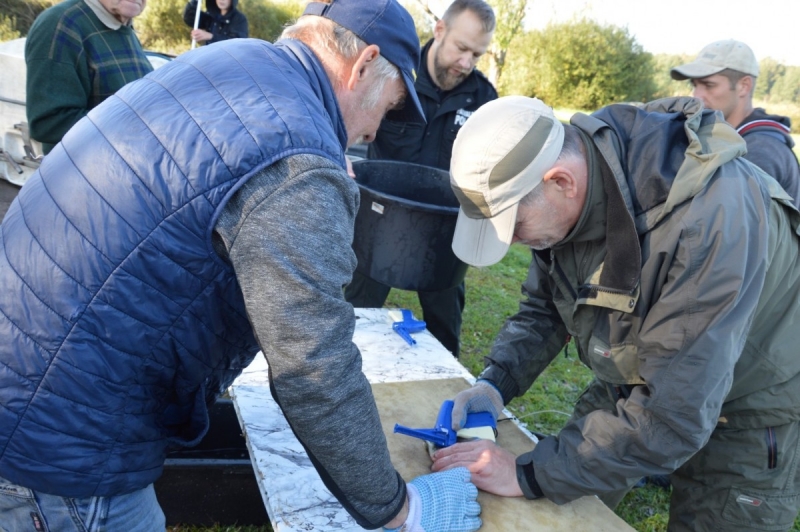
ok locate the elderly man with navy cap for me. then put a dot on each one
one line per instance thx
(196, 217)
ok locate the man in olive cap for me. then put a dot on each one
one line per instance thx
(724, 76)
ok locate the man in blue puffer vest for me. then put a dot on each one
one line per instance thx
(201, 214)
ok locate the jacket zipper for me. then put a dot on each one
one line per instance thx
(772, 449)
(564, 279)
(615, 291)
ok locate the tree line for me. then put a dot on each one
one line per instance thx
(580, 64)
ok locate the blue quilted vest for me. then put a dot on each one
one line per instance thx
(118, 322)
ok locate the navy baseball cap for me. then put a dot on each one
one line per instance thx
(386, 24)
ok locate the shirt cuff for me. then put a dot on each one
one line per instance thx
(501, 380)
(527, 478)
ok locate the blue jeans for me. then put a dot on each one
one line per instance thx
(25, 510)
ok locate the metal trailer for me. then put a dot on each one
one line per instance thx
(19, 154)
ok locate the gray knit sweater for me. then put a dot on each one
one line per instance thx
(288, 233)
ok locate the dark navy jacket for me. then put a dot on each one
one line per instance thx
(769, 145)
(118, 321)
(231, 25)
(431, 144)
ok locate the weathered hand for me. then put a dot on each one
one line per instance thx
(493, 469)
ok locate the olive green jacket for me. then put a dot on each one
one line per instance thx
(691, 297)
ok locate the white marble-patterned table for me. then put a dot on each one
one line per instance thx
(294, 495)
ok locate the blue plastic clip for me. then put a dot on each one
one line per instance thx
(442, 434)
(407, 326)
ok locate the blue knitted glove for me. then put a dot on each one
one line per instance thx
(442, 502)
(482, 397)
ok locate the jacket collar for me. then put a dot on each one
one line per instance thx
(618, 131)
(639, 142)
(760, 114)
(309, 66)
(108, 20)
(615, 284)
(591, 224)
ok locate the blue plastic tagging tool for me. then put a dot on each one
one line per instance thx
(408, 325)
(442, 434)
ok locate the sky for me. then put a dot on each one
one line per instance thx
(769, 27)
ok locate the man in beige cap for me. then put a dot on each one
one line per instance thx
(724, 77)
(675, 265)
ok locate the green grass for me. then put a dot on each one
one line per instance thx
(493, 294)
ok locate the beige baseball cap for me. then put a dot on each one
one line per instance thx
(500, 154)
(715, 58)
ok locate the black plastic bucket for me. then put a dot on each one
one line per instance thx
(405, 224)
(213, 483)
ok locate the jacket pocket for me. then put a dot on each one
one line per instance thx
(398, 141)
(186, 420)
(615, 365)
(446, 147)
(756, 511)
(397, 129)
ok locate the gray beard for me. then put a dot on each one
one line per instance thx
(444, 81)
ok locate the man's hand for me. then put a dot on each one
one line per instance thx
(201, 35)
(482, 397)
(442, 502)
(493, 468)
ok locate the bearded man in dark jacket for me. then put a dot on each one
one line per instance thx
(450, 89)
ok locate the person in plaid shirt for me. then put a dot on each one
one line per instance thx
(79, 53)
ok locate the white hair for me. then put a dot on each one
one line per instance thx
(327, 37)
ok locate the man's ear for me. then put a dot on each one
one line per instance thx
(563, 179)
(360, 69)
(439, 30)
(745, 86)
